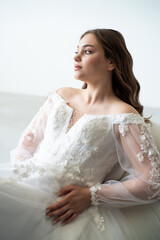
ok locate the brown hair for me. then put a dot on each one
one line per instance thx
(124, 83)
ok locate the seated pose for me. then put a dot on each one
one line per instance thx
(87, 166)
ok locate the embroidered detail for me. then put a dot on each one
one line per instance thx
(28, 138)
(150, 151)
(26, 169)
(123, 128)
(99, 220)
(10, 181)
(126, 118)
(94, 199)
(100, 224)
(29, 134)
(140, 157)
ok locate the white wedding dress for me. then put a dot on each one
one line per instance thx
(115, 153)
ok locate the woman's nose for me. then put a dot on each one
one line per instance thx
(77, 57)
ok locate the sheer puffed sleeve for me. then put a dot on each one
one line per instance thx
(32, 136)
(138, 155)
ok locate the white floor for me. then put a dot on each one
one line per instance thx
(16, 111)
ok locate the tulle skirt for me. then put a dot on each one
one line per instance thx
(22, 215)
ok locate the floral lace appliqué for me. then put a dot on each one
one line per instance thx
(123, 128)
(150, 151)
(99, 220)
(94, 200)
(29, 134)
(26, 169)
(140, 157)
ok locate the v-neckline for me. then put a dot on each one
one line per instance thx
(69, 119)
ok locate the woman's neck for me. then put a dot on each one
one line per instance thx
(98, 94)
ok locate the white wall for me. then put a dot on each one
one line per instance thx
(38, 40)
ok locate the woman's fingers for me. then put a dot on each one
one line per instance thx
(56, 206)
(63, 217)
(58, 212)
(70, 219)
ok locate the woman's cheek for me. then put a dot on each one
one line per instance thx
(95, 64)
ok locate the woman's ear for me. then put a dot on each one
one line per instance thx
(110, 65)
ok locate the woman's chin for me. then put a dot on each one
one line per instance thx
(79, 77)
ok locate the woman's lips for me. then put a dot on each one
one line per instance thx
(77, 68)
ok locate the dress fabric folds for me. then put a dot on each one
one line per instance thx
(115, 154)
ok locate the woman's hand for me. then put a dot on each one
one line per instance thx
(76, 199)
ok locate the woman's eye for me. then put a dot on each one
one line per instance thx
(86, 52)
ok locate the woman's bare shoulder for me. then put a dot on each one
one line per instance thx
(123, 107)
(67, 92)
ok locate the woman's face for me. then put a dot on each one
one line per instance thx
(91, 59)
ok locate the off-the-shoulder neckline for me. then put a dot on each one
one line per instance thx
(98, 115)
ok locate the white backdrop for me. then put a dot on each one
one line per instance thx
(38, 39)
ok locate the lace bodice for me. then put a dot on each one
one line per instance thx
(114, 153)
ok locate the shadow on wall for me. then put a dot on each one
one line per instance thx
(16, 112)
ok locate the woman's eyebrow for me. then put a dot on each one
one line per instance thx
(86, 45)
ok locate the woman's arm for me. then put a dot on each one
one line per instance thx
(139, 157)
(33, 134)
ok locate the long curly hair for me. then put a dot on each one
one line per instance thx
(124, 84)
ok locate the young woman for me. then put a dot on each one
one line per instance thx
(87, 166)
